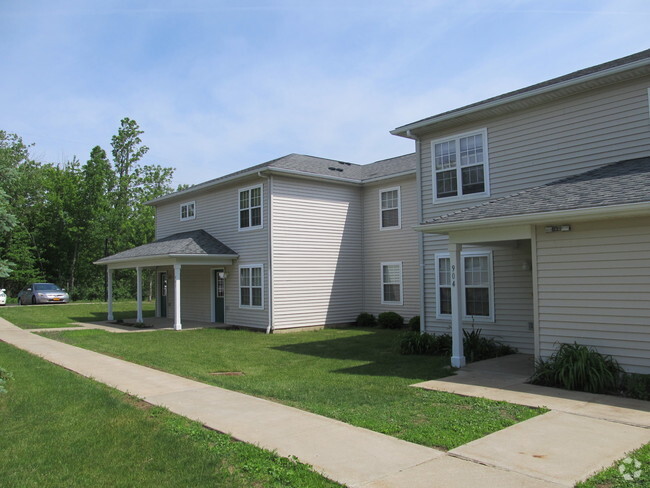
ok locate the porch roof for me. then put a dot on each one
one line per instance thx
(193, 247)
(613, 190)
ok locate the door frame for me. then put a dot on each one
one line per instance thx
(213, 295)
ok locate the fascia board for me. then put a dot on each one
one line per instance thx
(565, 216)
(404, 130)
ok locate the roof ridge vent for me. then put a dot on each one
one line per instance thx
(343, 162)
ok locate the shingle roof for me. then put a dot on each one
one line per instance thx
(197, 243)
(388, 167)
(619, 183)
(311, 165)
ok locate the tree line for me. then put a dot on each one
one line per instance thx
(57, 219)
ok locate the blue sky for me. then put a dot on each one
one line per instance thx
(218, 86)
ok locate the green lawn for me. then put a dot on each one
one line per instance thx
(60, 429)
(353, 375)
(613, 478)
(62, 315)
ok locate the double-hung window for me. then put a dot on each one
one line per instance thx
(478, 286)
(391, 283)
(389, 208)
(188, 211)
(251, 286)
(460, 165)
(250, 208)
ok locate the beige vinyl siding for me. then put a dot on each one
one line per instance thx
(562, 138)
(594, 289)
(513, 292)
(217, 212)
(317, 253)
(391, 245)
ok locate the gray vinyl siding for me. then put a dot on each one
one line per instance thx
(391, 245)
(513, 293)
(594, 289)
(317, 253)
(217, 212)
(562, 138)
(529, 148)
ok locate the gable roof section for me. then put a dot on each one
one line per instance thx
(193, 245)
(389, 167)
(622, 184)
(618, 70)
(311, 167)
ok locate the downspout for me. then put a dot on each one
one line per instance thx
(418, 180)
(269, 327)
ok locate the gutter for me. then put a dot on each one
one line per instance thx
(269, 240)
(585, 214)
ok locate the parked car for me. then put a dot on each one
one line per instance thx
(42, 293)
(3, 296)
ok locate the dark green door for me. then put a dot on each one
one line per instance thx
(163, 294)
(219, 296)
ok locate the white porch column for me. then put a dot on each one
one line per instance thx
(109, 298)
(457, 355)
(177, 297)
(138, 271)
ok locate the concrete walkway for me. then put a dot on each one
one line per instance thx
(582, 434)
(350, 455)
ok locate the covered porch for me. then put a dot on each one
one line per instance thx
(194, 248)
(589, 237)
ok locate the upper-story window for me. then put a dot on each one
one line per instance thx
(460, 165)
(250, 208)
(188, 211)
(390, 209)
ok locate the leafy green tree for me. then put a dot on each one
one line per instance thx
(72, 214)
(13, 153)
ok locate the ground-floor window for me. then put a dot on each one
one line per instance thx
(250, 286)
(478, 286)
(391, 283)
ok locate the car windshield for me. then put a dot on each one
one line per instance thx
(46, 287)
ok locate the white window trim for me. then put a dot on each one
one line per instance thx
(486, 167)
(401, 282)
(239, 209)
(239, 286)
(399, 208)
(187, 206)
(463, 255)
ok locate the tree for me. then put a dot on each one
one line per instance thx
(72, 214)
(13, 152)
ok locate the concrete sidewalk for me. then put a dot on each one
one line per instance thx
(350, 455)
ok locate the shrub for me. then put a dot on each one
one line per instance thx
(365, 319)
(413, 342)
(635, 385)
(478, 348)
(390, 320)
(578, 367)
(414, 323)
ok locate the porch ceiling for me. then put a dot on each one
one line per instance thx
(185, 248)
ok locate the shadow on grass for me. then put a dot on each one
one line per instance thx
(379, 350)
(102, 316)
